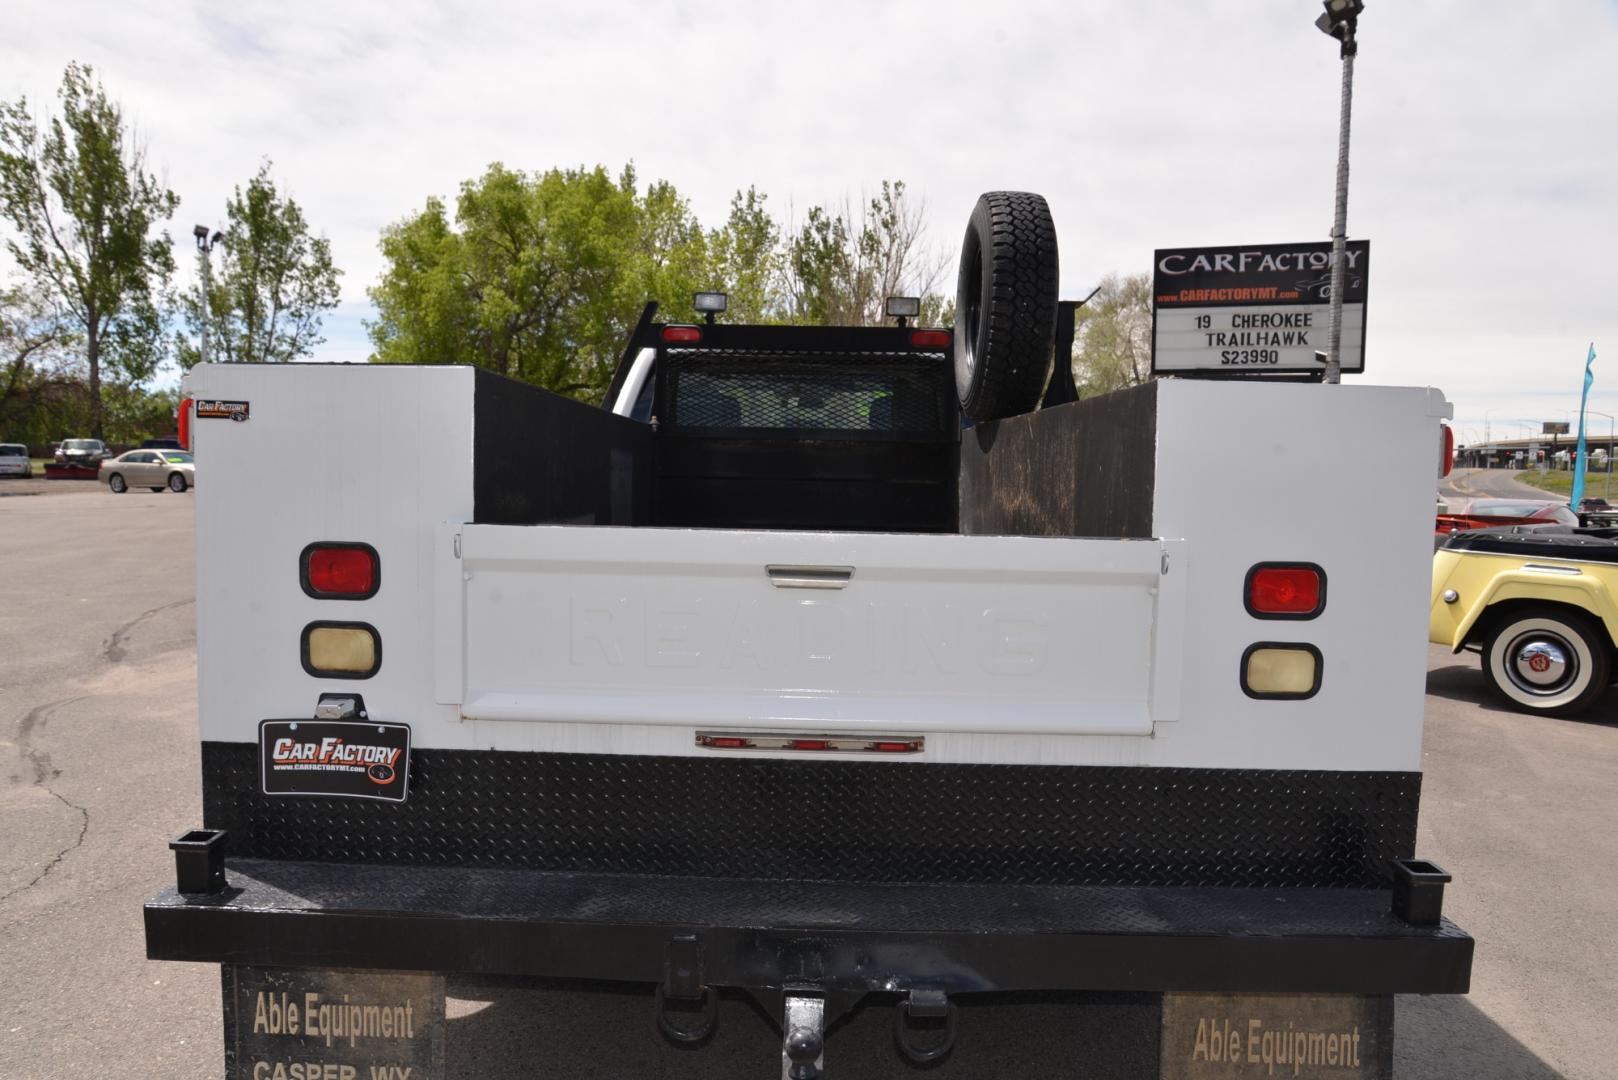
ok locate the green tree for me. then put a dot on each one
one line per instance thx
(745, 261)
(274, 282)
(88, 218)
(137, 412)
(840, 269)
(1112, 342)
(33, 338)
(39, 378)
(668, 256)
(540, 276)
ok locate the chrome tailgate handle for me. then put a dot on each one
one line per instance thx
(810, 577)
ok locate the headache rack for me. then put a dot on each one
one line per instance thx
(794, 427)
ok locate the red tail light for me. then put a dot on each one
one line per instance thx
(1447, 462)
(929, 339)
(1285, 591)
(340, 571)
(183, 420)
(724, 742)
(682, 333)
(835, 744)
(907, 746)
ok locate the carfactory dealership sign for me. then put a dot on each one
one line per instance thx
(1254, 308)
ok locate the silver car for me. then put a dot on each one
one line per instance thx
(80, 451)
(155, 469)
(14, 460)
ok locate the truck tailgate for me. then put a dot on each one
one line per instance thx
(784, 630)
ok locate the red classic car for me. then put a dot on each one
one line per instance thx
(1493, 513)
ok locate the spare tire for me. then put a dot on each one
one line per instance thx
(1005, 305)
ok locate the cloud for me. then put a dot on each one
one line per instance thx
(1483, 163)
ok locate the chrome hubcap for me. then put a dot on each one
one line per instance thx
(1540, 665)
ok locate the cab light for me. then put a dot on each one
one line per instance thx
(340, 571)
(1281, 670)
(929, 339)
(808, 744)
(685, 334)
(1285, 591)
(341, 650)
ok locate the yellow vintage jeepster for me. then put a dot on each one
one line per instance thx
(1540, 603)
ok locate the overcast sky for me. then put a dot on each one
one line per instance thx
(1485, 162)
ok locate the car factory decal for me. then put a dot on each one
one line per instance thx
(346, 758)
(216, 409)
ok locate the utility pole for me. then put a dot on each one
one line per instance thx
(205, 245)
(1339, 21)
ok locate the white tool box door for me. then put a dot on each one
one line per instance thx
(783, 630)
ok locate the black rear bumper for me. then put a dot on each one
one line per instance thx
(834, 936)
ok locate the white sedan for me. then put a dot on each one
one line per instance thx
(14, 460)
(155, 469)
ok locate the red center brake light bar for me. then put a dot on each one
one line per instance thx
(811, 744)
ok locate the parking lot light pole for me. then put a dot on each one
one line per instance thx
(205, 245)
(1340, 21)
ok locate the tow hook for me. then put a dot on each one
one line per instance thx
(682, 981)
(929, 1005)
(803, 1037)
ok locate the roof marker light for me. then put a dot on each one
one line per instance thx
(935, 339)
(682, 334)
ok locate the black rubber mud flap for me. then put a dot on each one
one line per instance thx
(1005, 305)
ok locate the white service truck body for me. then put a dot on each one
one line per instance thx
(1043, 741)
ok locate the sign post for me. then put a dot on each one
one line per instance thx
(1255, 309)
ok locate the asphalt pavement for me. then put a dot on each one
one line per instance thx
(100, 769)
(1490, 484)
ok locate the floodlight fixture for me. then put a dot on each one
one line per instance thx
(1338, 21)
(903, 307)
(711, 304)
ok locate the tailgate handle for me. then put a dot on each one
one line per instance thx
(810, 577)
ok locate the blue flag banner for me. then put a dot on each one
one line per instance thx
(1578, 462)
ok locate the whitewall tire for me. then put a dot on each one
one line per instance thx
(1547, 660)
